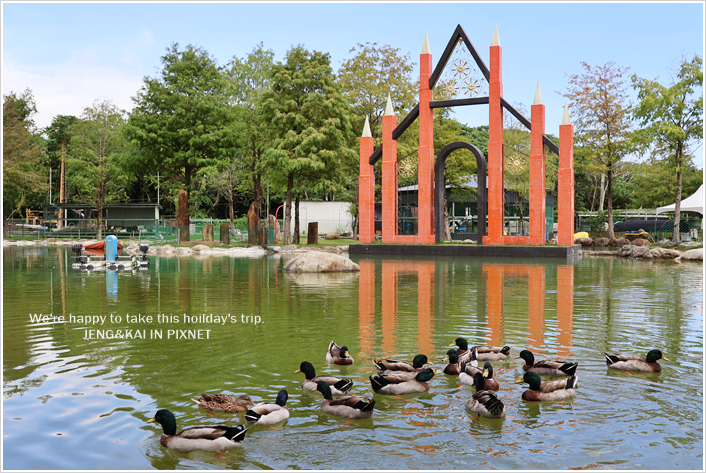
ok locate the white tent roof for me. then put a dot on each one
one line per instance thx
(693, 203)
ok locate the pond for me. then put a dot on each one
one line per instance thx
(81, 401)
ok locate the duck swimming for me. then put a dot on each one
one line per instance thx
(338, 355)
(216, 438)
(338, 386)
(485, 403)
(267, 413)
(547, 367)
(635, 362)
(349, 407)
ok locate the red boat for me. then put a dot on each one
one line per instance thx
(100, 245)
(98, 248)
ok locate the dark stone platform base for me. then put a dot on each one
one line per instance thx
(512, 251)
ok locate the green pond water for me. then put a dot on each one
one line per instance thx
(75, 403)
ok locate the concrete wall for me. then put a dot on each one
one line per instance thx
(333, 217)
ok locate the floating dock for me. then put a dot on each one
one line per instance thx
(509, 251)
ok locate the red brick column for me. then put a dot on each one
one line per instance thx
(537, 177)
(366, 192)
(426, 151)
(565, 235)
(389, 179)
(496, 177)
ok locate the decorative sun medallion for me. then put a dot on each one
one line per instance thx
(451, 88)
(405, 169)
(515, 161)
(460, 68)
(471, 85)
(461, 77)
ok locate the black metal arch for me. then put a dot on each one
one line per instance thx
(440, 189)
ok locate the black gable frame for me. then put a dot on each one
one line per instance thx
(459, 33)
(549, 143)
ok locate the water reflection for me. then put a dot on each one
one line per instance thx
(500, 289)
(91, 397)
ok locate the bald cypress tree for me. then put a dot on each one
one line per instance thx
(309, 128)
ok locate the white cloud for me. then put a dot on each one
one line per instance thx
(66, 88)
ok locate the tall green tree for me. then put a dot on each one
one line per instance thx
(672, 118)
(182, 121)
(96, 144)
(601, 109)
(310, 126)
(58, 136)
(24, 176)
(249, 78)
(369, 76)
(654, 184)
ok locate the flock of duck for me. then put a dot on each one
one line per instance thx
(396, 378)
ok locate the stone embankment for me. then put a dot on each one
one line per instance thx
(132, 248)
(641, 248)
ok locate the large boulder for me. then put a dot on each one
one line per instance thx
(696, 254)
(319, 262)
(200, 248)
(664, 253)
(164, 249)
(601, 242)
(583, 241)
(250, 252)
(632, 251)
(641, 242)
(618, 242)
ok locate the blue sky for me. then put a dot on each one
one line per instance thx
(71, 54)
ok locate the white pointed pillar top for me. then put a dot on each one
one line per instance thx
(425, 46)
(565, 119)
(537, 96)
(388, 107)
(366, 129)
(496, 39)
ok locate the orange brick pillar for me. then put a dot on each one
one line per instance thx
(366, 188)
(537, 175)
(496, 161)
(389, 175)
(565, 235)
(426, 149)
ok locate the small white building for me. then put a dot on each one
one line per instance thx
(332, 217)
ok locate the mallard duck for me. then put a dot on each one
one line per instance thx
(338, 355)
(452, 368)
(547, 367)
(267, 413)
(350, 407)
(464, 354)
(216, 438)
(490, 353)
(339, 386)
(223, 402)
(390, 366)
(402, 383)
(635, 362)
(468, 373)
(484, 402)
(549, 390)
